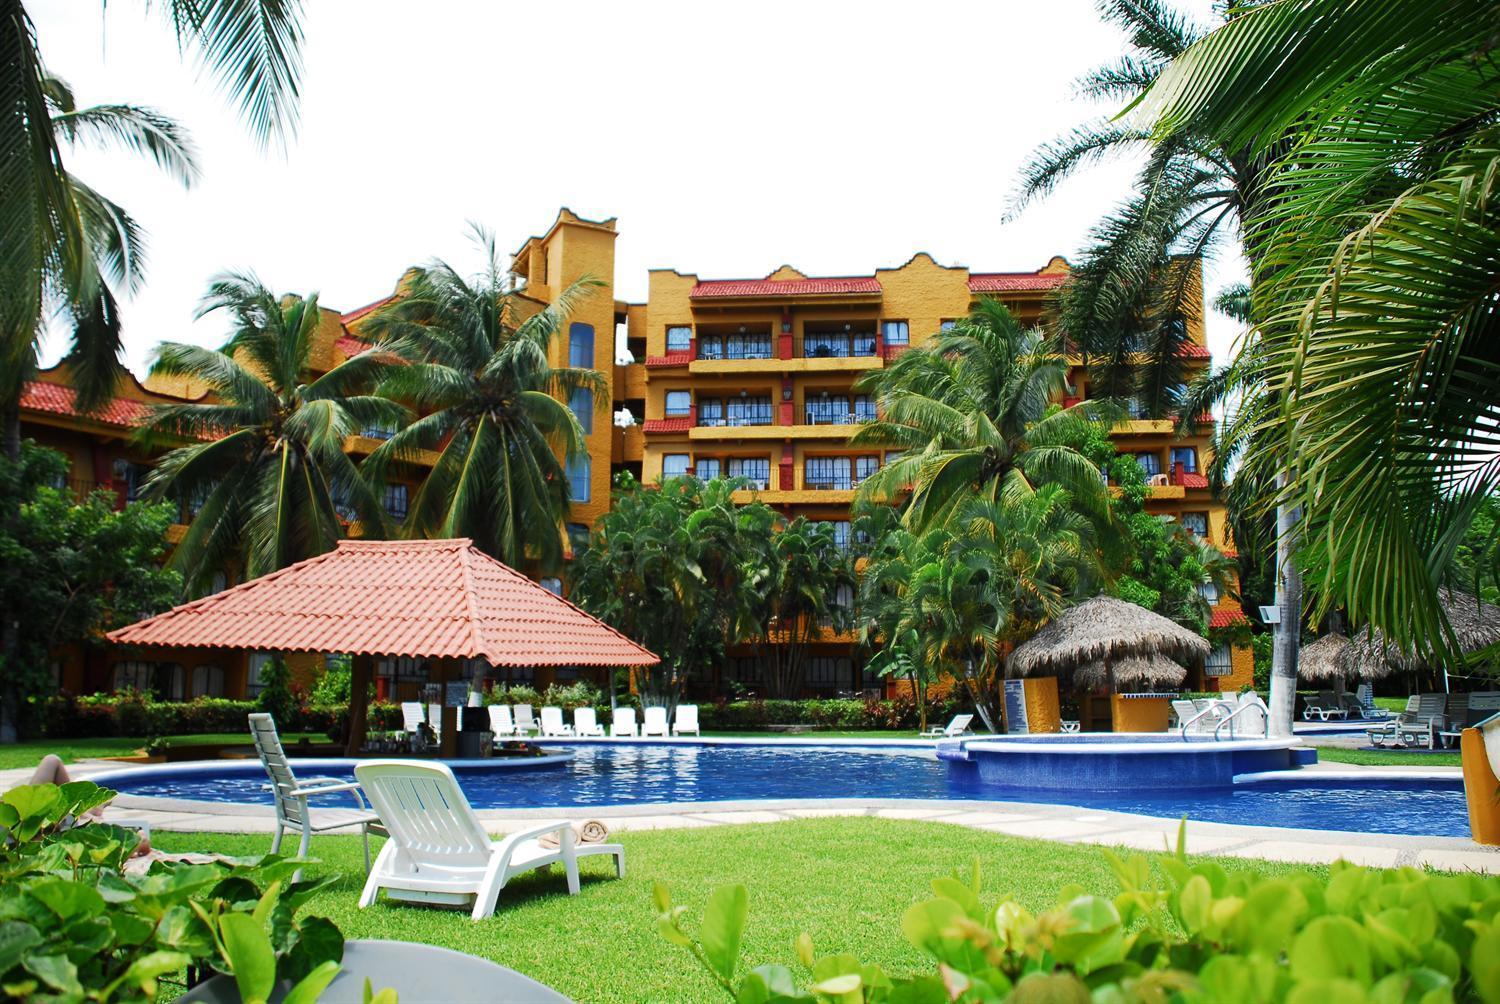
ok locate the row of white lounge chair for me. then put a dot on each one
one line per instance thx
(520, 721)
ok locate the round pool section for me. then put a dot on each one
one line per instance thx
(604, 775)
(1114, 763)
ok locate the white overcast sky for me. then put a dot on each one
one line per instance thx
(727, 138)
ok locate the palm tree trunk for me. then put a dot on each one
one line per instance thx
(10, 630)
(1288, 638)
(920, 687)
(359, 702)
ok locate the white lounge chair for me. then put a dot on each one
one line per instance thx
(586, 723)
(412, 715)
(435, 720)
(1327, 706)
(957, 727)
(292, 811)
(686, 720)
(655, 723)
(525, 720)
(440, 854)
(622, 725)
(553, 724)
(502, 723)
(1366, 695)
(1420, 723)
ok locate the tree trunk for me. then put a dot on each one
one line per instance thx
(359, 703)
(1288, 637)
(10, 630)
(920, 687)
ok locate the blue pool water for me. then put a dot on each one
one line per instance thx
(606, 775)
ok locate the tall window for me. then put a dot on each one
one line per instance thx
(828, 473)
(678, 403)
(837, 344)
(1187, 457)
(825, 672)
(896, 332)
(208, 681)
(679, 338)
(1135, 407)
(829, 410)
(1150, 463)
(1220, 662)
(840, 531)
(708, 468)
(1209, 591)
(254, 683)
(130, 477)
(581, 401)
(580, 469)
(947, 325)
(581, 345)
(745, 669)
(865, 466)
(674, 465)
(864, 408)
(756, 470)
(738, 345)
(140, 676)
(395, 501)
(1196, 522)
(748, 410)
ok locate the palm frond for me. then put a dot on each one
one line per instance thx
(144, 131)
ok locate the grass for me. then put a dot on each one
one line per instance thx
(845, 881)
(27, 754)
(1387, 758)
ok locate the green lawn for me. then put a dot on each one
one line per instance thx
(1386, 758)
(28, 753)
(845, 881)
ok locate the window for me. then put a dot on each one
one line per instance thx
(1220, 663)
(740, 345)
(756, 470)
(826, 672)
(748, 410)
(679, 338)
(948, 325)
(674, 465)
(745, 669)
(378, 431)
(1187, 457)
(581, 345)
(343, 504)
(169, 682)
(130, 478)
(827, 473)
(838, 344)
(581, 402)
(840, 531)
(896, 332)
(395, 501)
(219, 583)
(678, 403)
(1209, 591)
(578, 535)
(1135, 408)
(208, 681)
(552, 584)
(864, 408)
(1196, 523)
(829, 410)
(580, 471)
(1150, 463)
(254, 683)
(708, 468)
(864, 467)
(137, 676)
(403, 669)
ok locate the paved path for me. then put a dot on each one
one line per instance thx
(1065, 824)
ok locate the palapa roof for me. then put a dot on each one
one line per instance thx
(1475, 624)
(419, 598)
(1321, 660)
(1131, 671)
(1104, 629)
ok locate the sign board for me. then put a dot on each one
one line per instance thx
(1270, 615)
(1015, 708)
(457, 693)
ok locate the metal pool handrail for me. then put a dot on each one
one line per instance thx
(1255, 702)
(1211, 709)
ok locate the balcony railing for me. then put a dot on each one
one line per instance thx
(753, 349)
(837, 346)
(838, 414)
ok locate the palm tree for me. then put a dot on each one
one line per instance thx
(1373, 277)
(970, 409)
(479, 373)
(264, 465)
(805, 569)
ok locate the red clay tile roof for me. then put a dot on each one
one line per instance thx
(368, 308)
(1193, 351)
(351, 346)
(422, 598)
(57, 399)
(1229, 552)
(1228, 617)
(681, 358)
(681, 424)
(1009, 282)
(784, 287)
(1190, 480)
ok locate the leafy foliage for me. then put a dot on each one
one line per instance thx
(1196, 933)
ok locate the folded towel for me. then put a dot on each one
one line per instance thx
(590, 831)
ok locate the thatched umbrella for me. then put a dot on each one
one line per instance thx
(1320, 661)
(1476, 625)
(1108, 631)
(1131, 671)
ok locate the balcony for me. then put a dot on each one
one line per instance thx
(734, 348)
(838, 412)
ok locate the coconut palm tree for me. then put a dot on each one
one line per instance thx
(263, 465)
(805, 569)
(479, 372)
(971, 408)
(1373, 277)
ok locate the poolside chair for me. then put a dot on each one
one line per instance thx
(1200, 717)
(553, 724)
(439, 852)
(525, 720)
(957, 727)
(412, 715)
(501, 721)
(1327, 707)
(1420, 722)
(292, 810)
(686, 720)
(655, 723)
(1478, 706)
(586, 723)
(622, 725)
(435, 720)
(1366, 694)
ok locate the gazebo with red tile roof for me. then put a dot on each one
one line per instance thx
(431, 599)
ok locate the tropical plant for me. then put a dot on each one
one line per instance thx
(1373, 277)
(969, 409)
(891, 552)
(801, 573)
(263, 470)
(479, 372)
(1186, 933)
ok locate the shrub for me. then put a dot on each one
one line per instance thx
(1195, 934)
(518, 693)
(581, 694)
(829, 713)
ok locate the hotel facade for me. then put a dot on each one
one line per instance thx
(751, 378)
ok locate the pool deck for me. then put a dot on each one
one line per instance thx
(1066, 824)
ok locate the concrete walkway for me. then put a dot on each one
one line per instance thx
(1051, 822)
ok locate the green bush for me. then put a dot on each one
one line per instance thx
(827, 713)
(581, 694)
(1193, 934)
(518, 693)
(75, 925)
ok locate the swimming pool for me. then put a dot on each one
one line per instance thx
(603, 775)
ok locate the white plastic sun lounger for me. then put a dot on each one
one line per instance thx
(292, 811)
(686, 721)
(502, 723)
(412, 715)
(586, 723)
(525, 720)
(655, 723)
(553, 724)
(957, 727)
(440, 854)
(622, 725)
